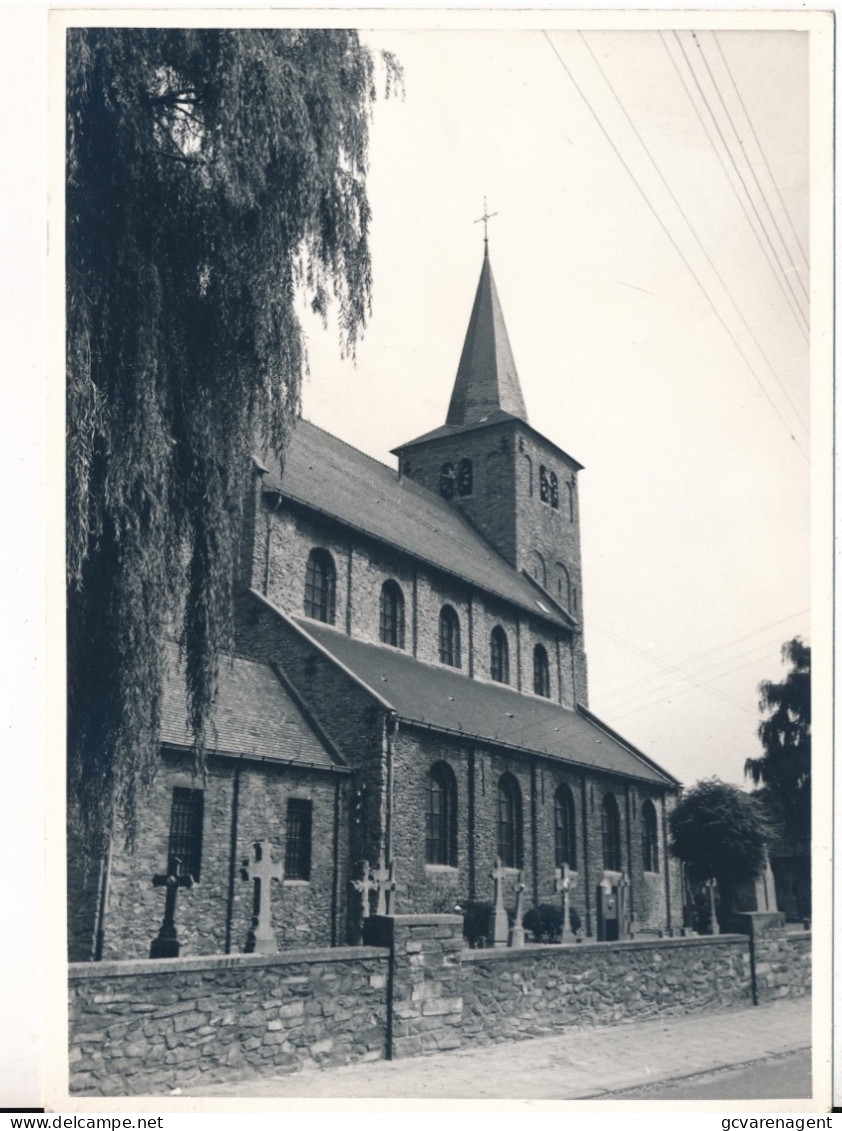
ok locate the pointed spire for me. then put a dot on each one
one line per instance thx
(486, 380)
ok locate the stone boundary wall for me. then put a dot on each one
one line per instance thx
(145, 1027)
(781, 962)
(513, 994)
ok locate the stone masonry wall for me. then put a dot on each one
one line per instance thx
(151, 1026)
(426, 975)
(514, 994)
(781, 959)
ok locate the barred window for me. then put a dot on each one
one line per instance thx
(299, 839)
(541, 671)
(612, 859)
(450, 649)
(544, 483)
(509, 823)
(650, 837)
(441, 816)
(320, 587)
(499, 655)
(565, 828)
(465, 477)
(391, 614)
(186, 820)
(554, 490)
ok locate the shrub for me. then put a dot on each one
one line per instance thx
(546, 922)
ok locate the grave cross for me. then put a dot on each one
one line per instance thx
(384, 879)
(261, 938)
(364, 886)
(516, 935)
(711, 886)
(565, 882)
(166, 945)
(499, 924)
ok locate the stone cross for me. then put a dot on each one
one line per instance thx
(516, 935)
(711, 886)
(565, 882)
(498, 928)
(364, 886)
(262, 870)
(166, 945)
(384, 879)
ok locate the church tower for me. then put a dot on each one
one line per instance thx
(516, 486)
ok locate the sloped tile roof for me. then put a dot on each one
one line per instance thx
(254, 715)
(446, 699)
(330, 476)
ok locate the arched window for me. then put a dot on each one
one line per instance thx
(554, 490)
(320, 587)
(391, 614)
(612, 859)
(447, 480)
(528, 465)
(499, 655)
(538, 568)
(441, 815)
(493, 472)
(562, 580)
(544, 483)
(650, 837)
(541, 671)
(450, 649)
(465, 477)
(565, 828)
(509, 823)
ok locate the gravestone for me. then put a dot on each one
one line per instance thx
(607, 911)
(565, 883)
(498, 926)
(623, 913)
(166, 945)
(384, 879)
(517, 938)
(262, 870)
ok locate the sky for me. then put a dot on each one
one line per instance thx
(659, 338)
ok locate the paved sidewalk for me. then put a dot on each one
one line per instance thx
(577, 1064)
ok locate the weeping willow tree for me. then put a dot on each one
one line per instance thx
(213, 177)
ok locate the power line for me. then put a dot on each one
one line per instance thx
(692, 230)
(794, 308)
(785, 273)
(669, 236)
(761, 150)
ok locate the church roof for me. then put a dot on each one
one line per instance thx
(445, 699)
(486, 380)
(333, 478)
(254, 716)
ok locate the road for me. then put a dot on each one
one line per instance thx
(783, 1077)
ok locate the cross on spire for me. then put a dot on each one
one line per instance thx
(486, 216)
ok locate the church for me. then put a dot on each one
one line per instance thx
(408, 684)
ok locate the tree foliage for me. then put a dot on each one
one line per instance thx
(784, 768)
(717, 831)
(212, 178)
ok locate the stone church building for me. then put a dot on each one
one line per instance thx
(409, 682)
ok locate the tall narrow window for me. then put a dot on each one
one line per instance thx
(554, 490)
(509, 823)
(441, 816)
(565, 828)
(299, 839)
(650, 837)
(539, 568)
(544, 482)
(528, 474)
(499, 655)
(391, 614)
(320, 587)
(450, 649)
(571, 503)
(612, 859)
(186, 820)
(465, 477)
(541, 671)
(562, 578)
